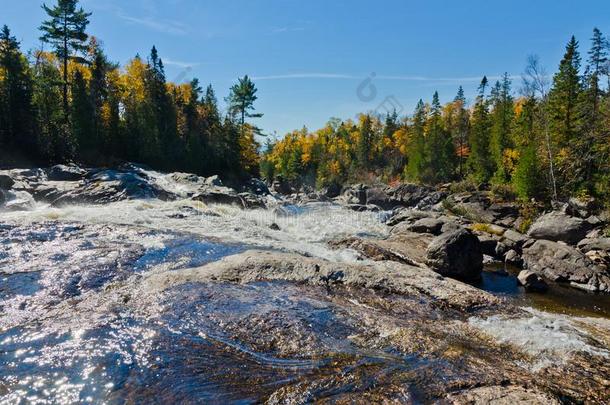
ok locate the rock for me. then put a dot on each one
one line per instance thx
(532, 281)
(581, 207)
(565, 264)
(106, 186)
(220, 196)
(456, 254)
(65, 173)
(409, 195)
(6, 182)
(214, 181)
(408, 248)
(409, 215)
(274, 227)
(488, 244)
(501, 395)
(18, 201)
(427, 225)
(356, 194)
(513, 239)
(512, 257)
(589, 244)
(385, 276)
(557, 226)
(431, 200)
(256, 187)
(332, 191)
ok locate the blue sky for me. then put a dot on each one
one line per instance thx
(309, 58)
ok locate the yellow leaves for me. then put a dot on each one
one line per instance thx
(133, 79)
(401, 141)
(510, 158)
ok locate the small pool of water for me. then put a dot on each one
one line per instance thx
(502, 280)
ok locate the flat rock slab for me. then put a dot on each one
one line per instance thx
(392, 277)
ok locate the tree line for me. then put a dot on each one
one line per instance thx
(549, 141)
(73, 104)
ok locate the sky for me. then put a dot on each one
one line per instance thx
(316, 59)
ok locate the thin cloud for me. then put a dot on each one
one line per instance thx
(341, 76)
(306, 76)
(178, 63)
(165, 26)
(281, 30)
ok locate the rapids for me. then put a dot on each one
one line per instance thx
(77, 325)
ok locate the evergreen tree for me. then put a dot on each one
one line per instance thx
(241, 100)
(565, 119)
(417, 144)
(82, 119)
(365, 141)
(65, 30)
(439, 146)
(502, 122)
(16, 113)
(526, 178)
(460, 130)
(479, 162)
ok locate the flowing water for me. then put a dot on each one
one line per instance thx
(77, 326)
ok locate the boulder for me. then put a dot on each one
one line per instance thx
(6, 182)
(512, 258)
(427, 225)
(332, 191)
(565, 264)
(532, 281)
(456, 254)
(409, 215)
(106, 186)
(590, 244)
(213, 181)
(256, 186)
(65, 173)
(557, 226)
(580, 207)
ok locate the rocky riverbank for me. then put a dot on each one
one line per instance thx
(130, 285)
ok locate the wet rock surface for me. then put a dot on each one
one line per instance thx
(154, 297)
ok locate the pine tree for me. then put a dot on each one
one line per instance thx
(241, 100)
(526, 177)
(65, 30)
(479, 162)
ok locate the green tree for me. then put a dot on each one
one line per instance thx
(460, 130)
(416, 150)
(16, 113)
(365, 142)
(65, 31)
(479, 161)
(502, 121)
(83, 119)
(440, 154)
(241, 100)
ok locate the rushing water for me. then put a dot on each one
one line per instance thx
(74, 327)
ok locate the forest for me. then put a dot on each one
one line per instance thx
(548, 140)
(547, 137)
(72, 104)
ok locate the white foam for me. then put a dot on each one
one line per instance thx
(548, 338)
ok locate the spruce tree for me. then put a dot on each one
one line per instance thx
(479, 161)
(439, 146)
(502, 122)
(460, 130)
(417, 144)
(65, 31)
(16, 114)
